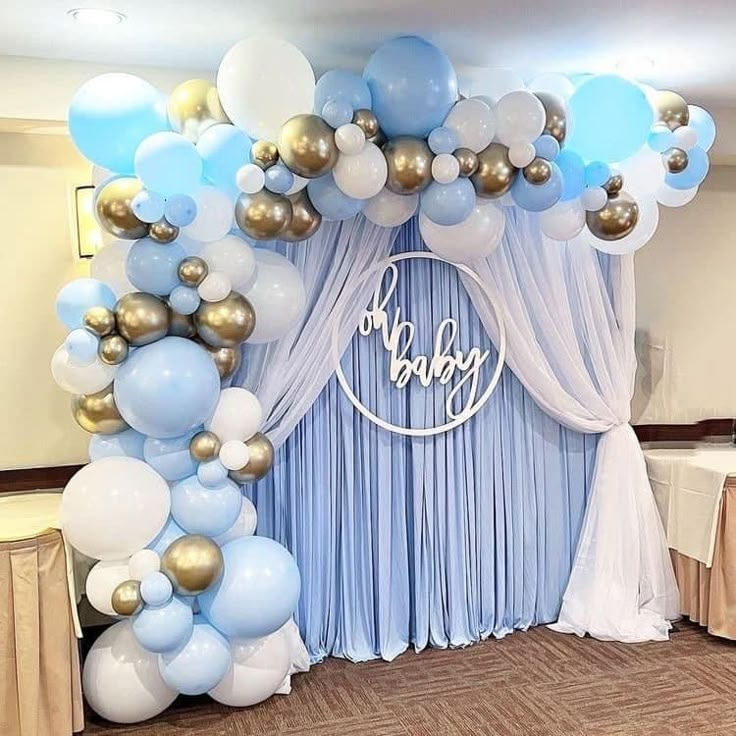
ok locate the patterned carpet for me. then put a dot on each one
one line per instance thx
(529, 684)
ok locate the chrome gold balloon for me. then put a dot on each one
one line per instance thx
(113, 349)
(264, 154)
(307, 146)
(367, 121)
(227, 360)
(538, 171)
(556, 120)
(409, 162)
(260, 462)
(97, 413)
(204, 446)
(126, 598)
(227, 323)
(114, 211)
(141, 318)
(99, 320)
(305, 220)
(495, 173)
(193, 107)
(192, 271)
(675, 160)
(193, 563)
(614, 184)
(616, 220)
(163, 232)
(671, 109)
(263, 215)
(181, 325)
(468, 161)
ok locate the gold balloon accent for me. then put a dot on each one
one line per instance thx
(616, 220)
(538, 171)
(126, 598)
(113, 349)
(367, 121)
(676, 160)
(227, 360)
(99, 320)
(114, 210)
(181, 325)
(263, 215)
(193, 107)
(495, 173)
(97, 413)
(671, 109)
(193, 563)
(192, 271)
(204, 446)
(556, 121)
(260, 462)
(264, 154)
(409, 162)
(227, 323)
(163, 232)
(305, 220)
(307, 146)
(379, 139)
(468, 161)
(614, 184)
(141, 318)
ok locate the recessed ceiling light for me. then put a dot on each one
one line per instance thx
(97, 16)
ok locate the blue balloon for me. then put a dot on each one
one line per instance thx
(694, 173)
(167, 388)
(340, 84)
(169, 164)
(258, 590)
(330, 202)
(443, 140)
(612, 118)
(78, 296)
(180, 210)
(224, 149)
(82, 346)
(164, 628)
(538, 197)
(170, 533)
(572, 169)
(153, 267)
(413, 86)
(202, 510)
(704, 126)
(184, 299)
(212, 473)
(156, 589)
(660, 138)
(148, 206)
(279, 179)
(337, 112)
(448, 204)
(597, 173)
(199, 664)
(123, 444)
(547, 147)
(111, 114)
(170, 458)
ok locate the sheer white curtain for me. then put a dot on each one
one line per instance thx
(570, 340)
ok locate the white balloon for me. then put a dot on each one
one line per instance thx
(389, 209)
(520, 118)
(234, 454)
(363, 174)
(214, 218)
(238, 415)
(121, 680)
(232, 256)
(80, 379)
(215, 287)
(350, 138)
(643, 173)
(262, 82)
(299, 183)
(473, 122)
(250, 178)
(113, 507)
(594, 198)
(556, 84)
(522, 154)
(142, 563)
(102, 580)
(277, 295)
(494, 83)
(670, 197)
(563, 221)
(685, 137)
(244, 526)
(445, 168)
(108, 265)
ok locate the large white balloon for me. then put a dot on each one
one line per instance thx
(277, 295)
(121, 680)
(362, 175)
(643, 173)
(262, 82)
(113, 507)
(102, 580)
(232, 256)
(244, 526)
(215, 213)
(238, 415)
(389, 209)
(494, 83)
(474, 123)
(563, 221)
(80, 379)
(520, 118)
(670, 197)
(108, 265)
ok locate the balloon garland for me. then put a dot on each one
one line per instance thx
(185, 186)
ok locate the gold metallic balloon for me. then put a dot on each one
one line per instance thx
(409, 162)
(671, 109)
(181, 325)
(192, 271)
(114, 211)
(97, 413)
(260, 462)
(141, 318)
(99, 320)
(495, 173)
(616, 220)
(126, 598)
(614, 184)
(264, 154)
(307, 146)
(367, 121)
(556, 120)
(113, 349)
(163, 232)
(538, 171)
(263, 215)
(227, 323)
(193, 107)
(227, 360)
(305, 220)
(193, 563)
(204, 446)
(379, 139)
(468, 161)
(675, 160)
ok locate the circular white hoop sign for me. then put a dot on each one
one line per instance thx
(381, 267)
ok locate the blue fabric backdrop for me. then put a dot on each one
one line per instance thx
(438, 541)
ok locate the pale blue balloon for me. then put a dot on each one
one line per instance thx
(660, 139)
(170, 533)
(258, 590)
(152, 267)
(164, 628)
(330, 202)
(169, 164)
(212, 473)
(148, 206)
(279, 179)
(337, 112)
(156, 589)
(78, 296)
(111, 114)
(200, 663)
(123, 444)
(694, 173)
(704, 125)
(199, 509)
(180, 210)
(538, 197)
(82, 346)
(344, 85)
(443, 140)
(597, 173)
(224, 149)
(547, 147)
(170, 458)
(413, 86)
(184, 299)
(448, 204)
(167, 388)
(572, 170)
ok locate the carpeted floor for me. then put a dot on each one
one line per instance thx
(529, 684)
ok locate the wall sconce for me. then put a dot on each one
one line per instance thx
(89, 233)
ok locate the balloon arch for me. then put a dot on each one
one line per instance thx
(155, 335)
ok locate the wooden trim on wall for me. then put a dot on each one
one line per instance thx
(34, 479)
(686, 432)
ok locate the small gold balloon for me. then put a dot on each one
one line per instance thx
(193, 107)
(614, 184)
(163, 232)
(671, 109)
(305, 220)
(409, 162)
(227, 360)
(307, 146)
(264, 154)
(495, 173)
(556, 120)
(616, 220)
(193, 563)
(263, 215)
(468, 161)
(259, 463)
(114, 210)
(97, 413)
(227, 323)
(141, 318)
(675, 160)
(538, 171)
(367, 121)
(204, 446)
(192, 271)
(126, 598)
(99, 320)
(113, 349)
(181, 325)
